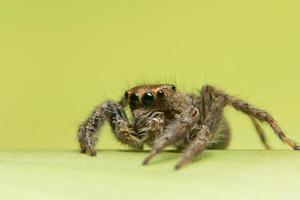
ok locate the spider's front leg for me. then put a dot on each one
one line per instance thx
(175, 131)
(118, 120)
(213, 115)
(205, 133)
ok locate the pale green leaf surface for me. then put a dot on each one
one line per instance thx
(230, 174)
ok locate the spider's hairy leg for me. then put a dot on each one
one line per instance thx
(206, 100)
(261, 133)
(118, 120)
(207, 96)
(174, 131)
(259, 114)
(195, 147)
(205, 133)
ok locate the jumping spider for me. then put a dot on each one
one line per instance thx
(162, 116)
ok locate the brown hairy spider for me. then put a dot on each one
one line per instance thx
(162, 116)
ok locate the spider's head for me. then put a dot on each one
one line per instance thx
(149, 96)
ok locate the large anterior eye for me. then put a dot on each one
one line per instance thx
(148, 99)
(134, 100)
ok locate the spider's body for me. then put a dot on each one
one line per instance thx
(162, 116)
(162, 110)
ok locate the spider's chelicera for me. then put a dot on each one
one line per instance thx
(162, 116)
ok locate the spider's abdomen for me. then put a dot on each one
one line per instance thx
(221, 137)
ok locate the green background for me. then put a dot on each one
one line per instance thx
(59, 59)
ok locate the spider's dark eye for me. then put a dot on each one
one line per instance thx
(173, 87)
(126, 95)
(148, 99)
(160, 94)
(134, 100)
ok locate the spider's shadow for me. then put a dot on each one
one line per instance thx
(173, 154)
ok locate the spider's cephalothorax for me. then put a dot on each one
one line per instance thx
(162, 116)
